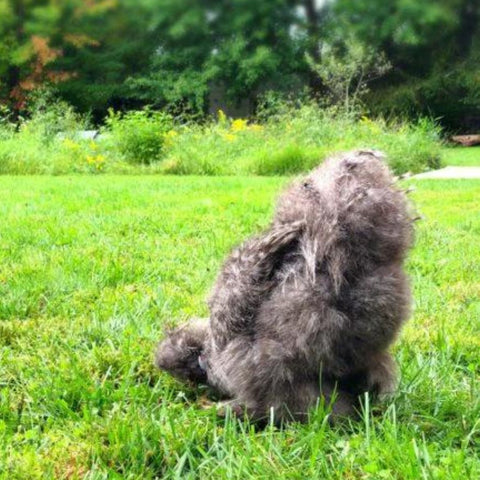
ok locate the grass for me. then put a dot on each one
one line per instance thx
(286, 142)
(92, 267)
(295, 141)
(462, 156)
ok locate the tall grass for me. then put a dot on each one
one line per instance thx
(297, 140)
(286, 142)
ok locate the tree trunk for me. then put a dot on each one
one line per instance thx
(13, 76)
(314, 18)
(469, 19)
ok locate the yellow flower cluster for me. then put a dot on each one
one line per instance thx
(169, 137)
(86, 153)
(236, 126)
(96, 161)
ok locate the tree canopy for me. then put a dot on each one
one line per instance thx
(174, 53)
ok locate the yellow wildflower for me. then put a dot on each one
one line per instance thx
(238, 125)
(96, 161)
(169, 136)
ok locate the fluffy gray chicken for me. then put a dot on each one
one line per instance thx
(308, 308)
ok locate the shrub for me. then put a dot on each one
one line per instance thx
(138, 135)
(50, 118)
(36, 144)
(453, 98)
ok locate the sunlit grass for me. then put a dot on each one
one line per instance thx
(287, 142)
(462, 156)
(92, 267)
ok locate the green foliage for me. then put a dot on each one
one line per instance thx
(190, 56)
(40, 143)
(433, 47)
(288, 141)
(79, 320)
(346, 70)
(138, 135)
(34, 35)
(295, 140)
(289, 159)
(7, 127)
(238, 46)
(50, 117)
(454, 97)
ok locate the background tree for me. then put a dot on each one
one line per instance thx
(117, 42)
(433, 47)
(173, 54)
(33, 34)
(243, 45)
(346, 69)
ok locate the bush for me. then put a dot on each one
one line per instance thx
(453, 98)
(35, 145)
(138, 135)
(50, 118)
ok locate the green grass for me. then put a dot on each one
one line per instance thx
(91, 268)
(286, 142)
(295, 141)
(461, 156)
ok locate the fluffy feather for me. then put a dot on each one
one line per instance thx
(309, 307)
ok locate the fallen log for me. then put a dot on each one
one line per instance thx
(466, 140)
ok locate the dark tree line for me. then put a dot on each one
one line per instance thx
(178, 53)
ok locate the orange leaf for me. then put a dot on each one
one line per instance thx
(44, 52)
(80, 40)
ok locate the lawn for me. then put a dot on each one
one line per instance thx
(91, 269)
(461, 156)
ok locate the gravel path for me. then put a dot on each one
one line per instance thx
(452, 172)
